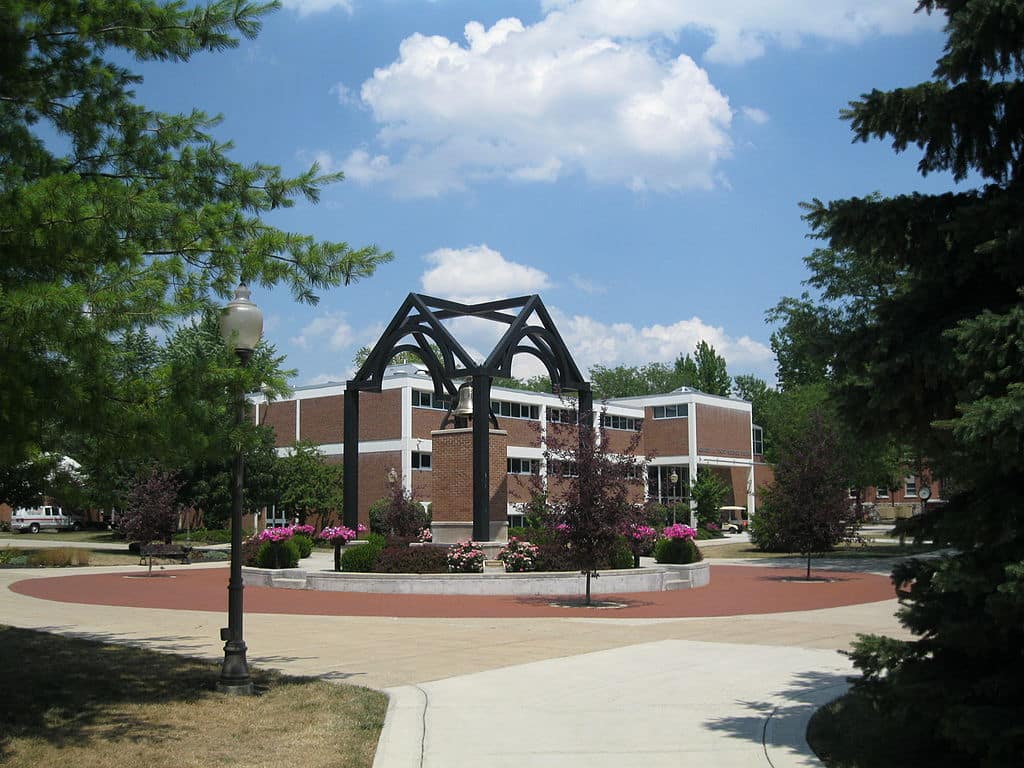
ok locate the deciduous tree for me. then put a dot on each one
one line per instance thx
(115, 217)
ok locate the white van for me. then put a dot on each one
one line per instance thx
(48, 518)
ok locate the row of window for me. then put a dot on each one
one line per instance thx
(430, 400)
(670, 411)
(622, 422)
(881, 492)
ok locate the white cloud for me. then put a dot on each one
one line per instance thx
(755, 115)
(328, 378)
(323, 158)
(741, 30)
(587, 285)
(593, 342)
(478, 273)
(342, 92)
(307, 7)
(330, 329)
(535, 103)
(586, 91)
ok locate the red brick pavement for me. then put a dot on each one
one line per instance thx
(734, 591)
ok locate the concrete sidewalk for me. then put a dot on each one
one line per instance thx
(727, 691)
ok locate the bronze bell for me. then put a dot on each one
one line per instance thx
(464, 409)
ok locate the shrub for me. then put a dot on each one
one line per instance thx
(519, 556)
(677, 551)
(250, 551)
(465, 557)
(208, 536)
(57, 558)
(767, 530)
(412, 560)
(621, 556)
(362, 558)
(278, 554)
(212, 555)
(376, 540)
(304, 543)
(398, 514)
(554, 556)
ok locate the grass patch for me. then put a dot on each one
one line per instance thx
(743, 550)
(854, 732)
(739, 549)
(93, 705)
(100, 537)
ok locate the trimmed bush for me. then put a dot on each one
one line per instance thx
(361, 559)
(376, 540)
(621, 556)
(676, 551)
(412, 560)
(554, 556)
(208, 536)
(305, 545)
(278, 554)
(250, 550)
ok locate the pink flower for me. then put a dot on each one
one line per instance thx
(679, 531)
(337, 535)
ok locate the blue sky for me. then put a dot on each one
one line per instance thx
(638, 164)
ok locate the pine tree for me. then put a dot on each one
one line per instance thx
(114, 217)
(922, 335)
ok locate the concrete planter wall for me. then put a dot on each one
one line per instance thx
(657, 578)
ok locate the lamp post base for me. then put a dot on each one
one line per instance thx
(234, 674)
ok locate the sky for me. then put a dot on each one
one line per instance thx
(639, 164)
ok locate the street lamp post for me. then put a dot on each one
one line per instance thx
(673, 478)
(241, 325)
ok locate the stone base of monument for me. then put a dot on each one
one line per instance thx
(449, 532)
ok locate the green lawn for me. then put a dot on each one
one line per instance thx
(749, 551)
(74, 702)
(100, 537)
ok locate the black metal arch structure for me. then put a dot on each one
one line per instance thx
(418, 327)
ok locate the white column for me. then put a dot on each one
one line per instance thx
(691, 439)
(407, 437)
(298, 420)
(750, 491)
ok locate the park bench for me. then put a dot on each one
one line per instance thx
(166, 551)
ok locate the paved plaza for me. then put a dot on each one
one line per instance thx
(655, 683)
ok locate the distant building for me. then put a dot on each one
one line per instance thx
(682, 430)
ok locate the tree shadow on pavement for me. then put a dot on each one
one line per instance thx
(780, 722)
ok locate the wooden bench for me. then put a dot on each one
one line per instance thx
(166, 551)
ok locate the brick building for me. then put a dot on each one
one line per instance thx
(681, 430)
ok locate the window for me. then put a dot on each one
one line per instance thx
(910, 485)
(524, 466)
(421, 461)
(564, 469)
(635, 471)
(562, 416)
(622, 422)
(677, 411)
(516, 519)
(758, 435)
(276, 518)
(430, 400)
(881, 492)
(515, 410)
(852, 492)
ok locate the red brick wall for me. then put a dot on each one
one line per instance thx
(521, 431)
(425, 421)
(665, 437)
(618, 440)
(373, 479)
(281, 418)
(380, 415)
(322, 419)
(722, 431)
(452, 463)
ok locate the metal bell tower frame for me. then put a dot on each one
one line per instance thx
(418, 327)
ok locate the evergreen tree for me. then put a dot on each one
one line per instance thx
(923, 336)
(116, 217)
